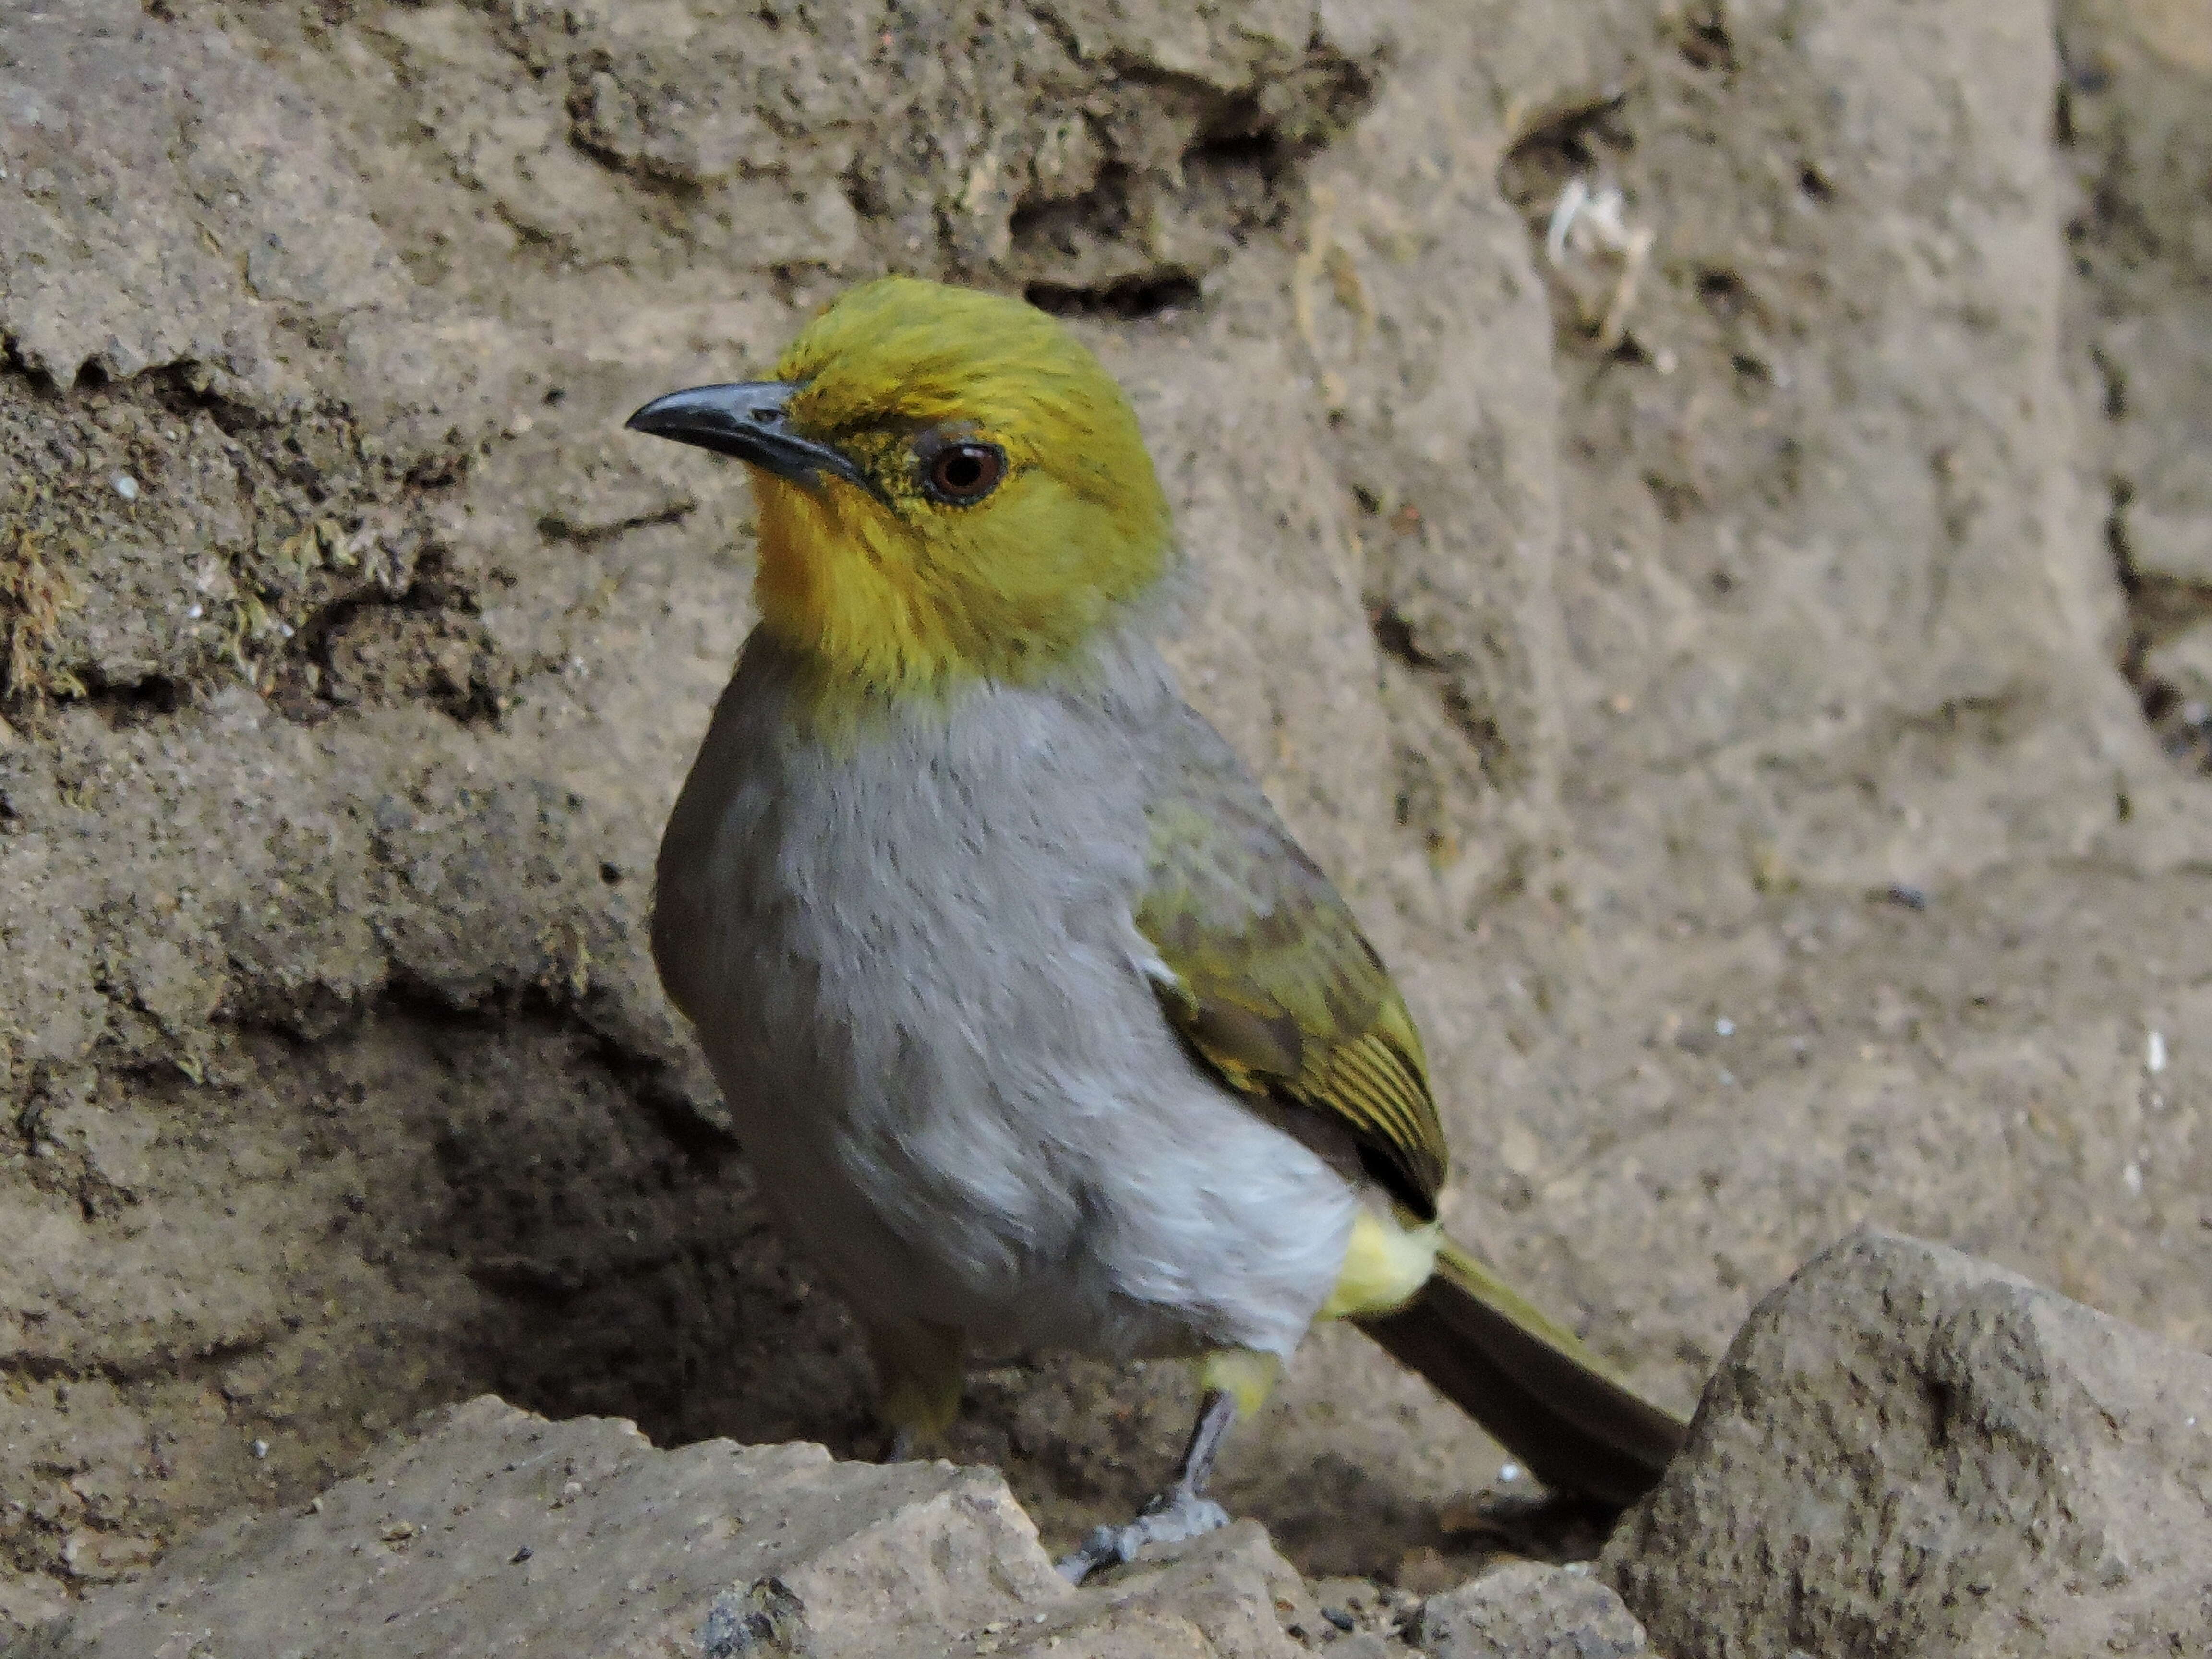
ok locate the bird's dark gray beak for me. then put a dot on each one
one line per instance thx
(747, 419)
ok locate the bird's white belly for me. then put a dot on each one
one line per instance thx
(1128, 1236)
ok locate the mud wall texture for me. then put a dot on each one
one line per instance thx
(1708, 530)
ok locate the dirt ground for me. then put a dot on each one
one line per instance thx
(1707, 533)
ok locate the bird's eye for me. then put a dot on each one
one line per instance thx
(964, 473)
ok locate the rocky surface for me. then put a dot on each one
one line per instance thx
(1908, 1451)
(1530, 1610)
(1905, 1450)
(2131, 118)
(492, 1531)
(1698, 522)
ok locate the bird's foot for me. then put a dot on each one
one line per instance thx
(1173, 1517)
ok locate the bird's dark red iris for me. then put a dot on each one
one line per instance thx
(963, 473)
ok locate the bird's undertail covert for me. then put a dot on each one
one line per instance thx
(1537, 1391)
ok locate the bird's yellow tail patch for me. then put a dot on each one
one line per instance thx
(1383, 1265)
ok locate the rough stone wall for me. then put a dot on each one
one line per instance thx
(2130, 120)
(1740, 609)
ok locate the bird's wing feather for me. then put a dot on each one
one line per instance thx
(1268, 977)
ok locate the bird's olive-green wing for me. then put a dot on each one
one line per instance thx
(1270, 980)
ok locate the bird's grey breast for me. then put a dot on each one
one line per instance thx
(939, 842)
(910, 949)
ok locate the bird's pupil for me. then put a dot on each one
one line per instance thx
(963, 469)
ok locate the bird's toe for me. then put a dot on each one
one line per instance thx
(1173, 1517)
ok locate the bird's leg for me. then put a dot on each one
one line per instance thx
(1182, 1512)
(919, 1371)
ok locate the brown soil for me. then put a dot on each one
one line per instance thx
(1734, 641)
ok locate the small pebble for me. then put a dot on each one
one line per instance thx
(522, 1554)
(1338, 1617)
(126, 486)
(1508, 1473)
(1912, 898)
(2154, 1052)
(259, 1448)
(1724, 1027)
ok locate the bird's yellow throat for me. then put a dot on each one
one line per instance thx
(900, 613)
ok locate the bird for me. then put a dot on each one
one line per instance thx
(1038, 1027)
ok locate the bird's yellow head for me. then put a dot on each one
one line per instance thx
(950, 488)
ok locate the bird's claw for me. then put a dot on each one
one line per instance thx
(1173, 1517)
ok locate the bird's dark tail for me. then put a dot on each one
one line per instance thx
(1537, 1390)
